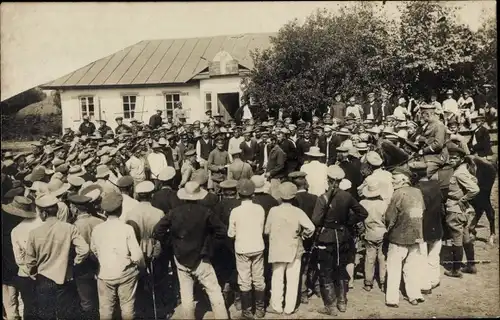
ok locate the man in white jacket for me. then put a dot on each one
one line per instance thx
(316, 172)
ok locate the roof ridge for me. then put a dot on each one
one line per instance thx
(214, 36)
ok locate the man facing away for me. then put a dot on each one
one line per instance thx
(246, 226)
(286, 225)
(115, 245)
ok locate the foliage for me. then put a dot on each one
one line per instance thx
(21, 100)
(357, 51)
(31, 127)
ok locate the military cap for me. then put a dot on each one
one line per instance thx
(402, 170)
(46, 201)
(374, 158)
(76, 181)
(297, 174)
(335, 172)
(452, 150)
(417, 165)
(111, 201)
(78, 198)
(166, 174)
(228, 184)
(189, 153)
(120, 118)
(245, 187)
(287, 190)
(124, 182)
(144, 187)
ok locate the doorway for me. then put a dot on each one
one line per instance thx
(227, 104)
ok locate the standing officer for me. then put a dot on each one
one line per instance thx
(463, 188)
(333, 214)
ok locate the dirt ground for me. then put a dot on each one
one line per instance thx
(472, 296)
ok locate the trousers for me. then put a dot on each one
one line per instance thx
(430, 254)
(374, 253)
(292, 272)
(54, 300)
(251, 271)
(457, 223)
(404, 258)
(204, 273)
(26, 286)
(12, 302)
(120, 291)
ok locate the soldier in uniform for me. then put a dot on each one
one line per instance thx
(463, 188)
(433, 136)
(333, 214)
(121, 128)
(103, 128)
(87, 128)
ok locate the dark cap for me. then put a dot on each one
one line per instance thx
(297, 174)
(125, 181)
(118, 118)
(228, 184)
(455, 150)
(78, 198)
(111, 201)
(402, 170)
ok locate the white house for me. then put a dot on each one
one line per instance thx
(202, 73)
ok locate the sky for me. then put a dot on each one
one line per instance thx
(44, 41)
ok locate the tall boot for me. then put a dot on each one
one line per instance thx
(341, 290)
(260, 307)
(470, 266)
(457, 253)
(237, 299)
(246, 304)
(327, 291)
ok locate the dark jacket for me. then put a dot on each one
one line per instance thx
(165, 199)
(155, 121)
(332, 148)
(303, 146)
(276, 163)
(483, 146)
(337, 110)
(434, 210)
(338, 218)
(249, 153)
(291, 155)
(386, 109)
(190, 225)
(266, 200)
(122, 129)
(260, 154)
(104, 129)
(377, 110)
(352, 169)
(87, 128)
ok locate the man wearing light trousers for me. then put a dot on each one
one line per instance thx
(286, 225)
(404, 231)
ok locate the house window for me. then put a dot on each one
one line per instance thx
(87, 107)
(208, 101)
(129, 106)
(170, 100)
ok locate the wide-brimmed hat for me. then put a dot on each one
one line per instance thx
(57, 187)
(192, 191)
(362, 146)
(335, 172)
(314, 152)
(245, 187)
(93, 191)
(105, 159)
(166, 174)
(345, 184)
(373, 158)
(37, 174)
(76, 170)
(343, 132)
(200, 176)
(20, 207)
(372, 188)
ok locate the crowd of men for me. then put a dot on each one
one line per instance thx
(261, 214)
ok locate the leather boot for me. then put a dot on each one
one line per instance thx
(237, 300)
(470, 267)
(328, 295)
(457, 253)
(341, 289)
(246, 304)
(260, 308)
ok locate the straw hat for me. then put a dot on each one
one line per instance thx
(102, 171)
(343, 132)
(192, 191)
(314, 152)
(245, 187)
(374, 158)
(371, 189)
(345, 184)
(105, 159)
(57, 187)
(93, 191)
(166, 174)
(335, 172)
(20, 207)
(76, 170)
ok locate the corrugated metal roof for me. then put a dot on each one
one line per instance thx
(162, 61)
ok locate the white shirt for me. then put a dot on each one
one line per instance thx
(136, 168)
(265, 155)
(246, 113)
(246, 226)
(116, 247)
(19, 237)
(450, 105)
(316, 177)
(384, 178)
(198, 150)
(157, 162)
(128, 204)
(400, 112)
(354, 110)
(234, 143)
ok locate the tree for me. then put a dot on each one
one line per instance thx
(347, 52)
(485, 70)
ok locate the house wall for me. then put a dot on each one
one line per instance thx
(110, 103)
